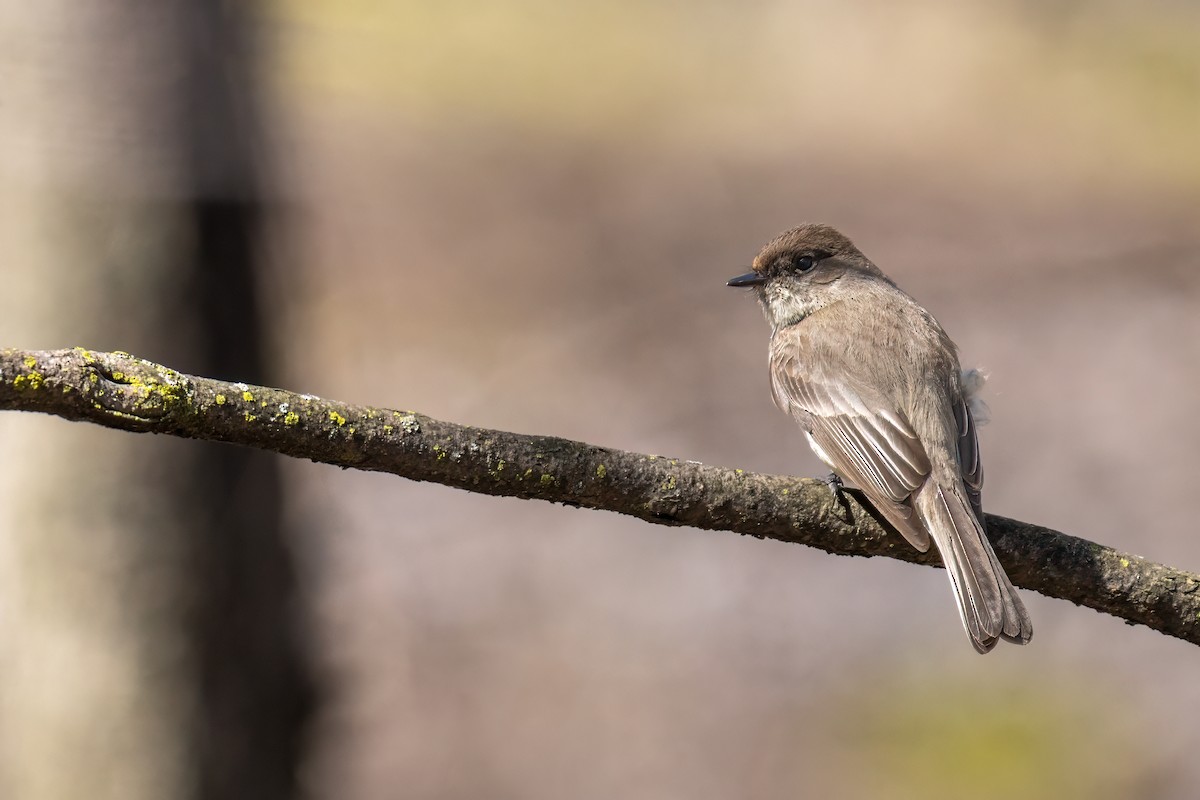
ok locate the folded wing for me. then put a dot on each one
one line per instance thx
(869, 442)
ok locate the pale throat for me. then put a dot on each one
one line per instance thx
(785, 306)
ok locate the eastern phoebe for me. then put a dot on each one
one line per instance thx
(875, 383)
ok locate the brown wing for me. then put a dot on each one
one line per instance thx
(868, 440)
(968, 456)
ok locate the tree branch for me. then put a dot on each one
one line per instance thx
(119, 391)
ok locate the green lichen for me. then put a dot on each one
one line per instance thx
(291, 418)
(546, 480)
(33, 381)
(337, 418)
(170, 393)
(601, 471)
(669, 485)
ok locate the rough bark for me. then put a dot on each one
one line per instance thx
(120, 391)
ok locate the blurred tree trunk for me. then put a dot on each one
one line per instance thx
(150, 641)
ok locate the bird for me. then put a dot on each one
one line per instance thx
(875, 384)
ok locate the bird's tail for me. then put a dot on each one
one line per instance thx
(987, 601)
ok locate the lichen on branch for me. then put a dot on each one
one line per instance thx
(120, 391)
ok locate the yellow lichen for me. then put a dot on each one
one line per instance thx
(250, 417)
(30, 362)
(337, 418)
(291, 419)
(249, 398)
(601, 471)
(220, 399)
(547, 479)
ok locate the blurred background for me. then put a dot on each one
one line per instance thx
(521, 214)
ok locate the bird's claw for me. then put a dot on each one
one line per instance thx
(834, 482)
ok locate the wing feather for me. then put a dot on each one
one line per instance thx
(869, 441)
(968, 456)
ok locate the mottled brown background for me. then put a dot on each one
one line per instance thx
(521, 215)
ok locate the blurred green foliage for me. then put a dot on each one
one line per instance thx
(1113, 88)
(950, 737)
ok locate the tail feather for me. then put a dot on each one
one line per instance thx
(1017, 625)
(988, 604)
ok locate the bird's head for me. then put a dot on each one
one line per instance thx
(804, 269)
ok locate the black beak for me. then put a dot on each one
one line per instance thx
(749, 279)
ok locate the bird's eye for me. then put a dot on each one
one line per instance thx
(805, 263)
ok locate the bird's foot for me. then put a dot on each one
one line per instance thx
(834, 482)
